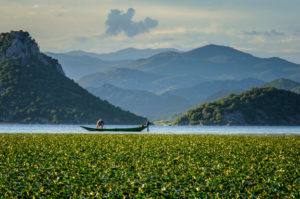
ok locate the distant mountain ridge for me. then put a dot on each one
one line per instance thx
(77, 66)
(129, 79)
(124, 54)
(208, 63)
(213, 62)
(150, 105)
(201, 75)
(283, 83)
(34, 89)
(203, 91)
(169, 104)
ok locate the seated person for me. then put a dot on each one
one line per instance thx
(100, 124)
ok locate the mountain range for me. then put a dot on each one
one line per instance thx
(213, 62)
(124, 54)
(173, 70)
(202, 75)
(168, 105)
(77, 64)
(202, 92)
(141, 102)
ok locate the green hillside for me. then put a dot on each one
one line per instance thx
(34, 89)
(258, 106)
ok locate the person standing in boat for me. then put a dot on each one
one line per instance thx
(100, 124)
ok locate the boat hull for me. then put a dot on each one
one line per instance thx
(136, 129)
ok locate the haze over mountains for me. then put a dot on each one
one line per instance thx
(207, 63)
(201, 75)
(124, 54)
(141, 102)
(213, 62)
(77, 66)
(80, 63)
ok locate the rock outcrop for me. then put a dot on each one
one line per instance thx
(19, 44)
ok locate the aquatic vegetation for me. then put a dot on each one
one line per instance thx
(94, 165)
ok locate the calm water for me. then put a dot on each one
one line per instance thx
(217, 130)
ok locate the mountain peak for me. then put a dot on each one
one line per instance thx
(20, 45)
(216, 50)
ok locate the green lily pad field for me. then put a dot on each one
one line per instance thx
(148, 166)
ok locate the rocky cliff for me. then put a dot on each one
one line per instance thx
(19, 44)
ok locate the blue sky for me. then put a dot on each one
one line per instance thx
(265, 28)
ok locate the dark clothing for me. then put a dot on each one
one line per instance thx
(100, 124)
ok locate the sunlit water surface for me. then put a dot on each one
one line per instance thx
(216, 130)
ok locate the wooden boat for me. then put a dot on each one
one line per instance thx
(135, 129)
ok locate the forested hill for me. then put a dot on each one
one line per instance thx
(34, 89)
(258, 106)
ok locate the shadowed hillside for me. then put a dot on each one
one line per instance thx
(34, 89)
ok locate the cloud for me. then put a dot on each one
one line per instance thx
(119, 21)
(266, 33)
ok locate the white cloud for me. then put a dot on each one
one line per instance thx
(119, 21)
(36, 6)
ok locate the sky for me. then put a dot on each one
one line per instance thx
(264, 28)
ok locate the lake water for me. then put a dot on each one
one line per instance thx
(215, 130)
